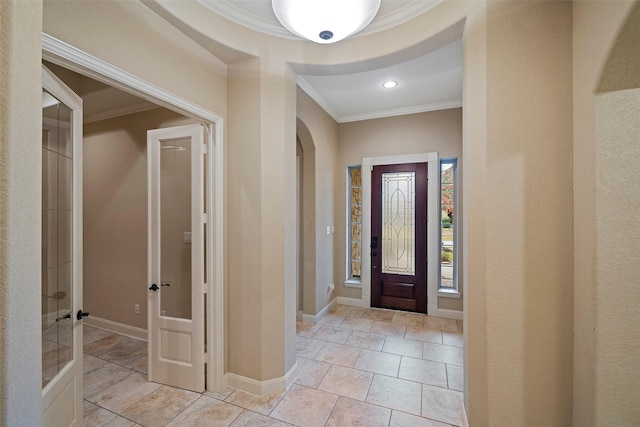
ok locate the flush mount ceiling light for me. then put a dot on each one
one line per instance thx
(325, 21)
(390, 84)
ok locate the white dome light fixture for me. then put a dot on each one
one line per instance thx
(325, 21)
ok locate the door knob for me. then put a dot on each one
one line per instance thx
(81, 314)
(154, 287)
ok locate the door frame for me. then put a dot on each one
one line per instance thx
(72, 58)
(433, 221)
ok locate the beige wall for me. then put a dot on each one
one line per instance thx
(323, 133)
(130, 36)
(115, 214)
(617, 271)
(20, 165)
(260, 212)
(517, 152)
(439, 131)
(605, 295)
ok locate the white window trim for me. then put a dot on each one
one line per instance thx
(433, 245)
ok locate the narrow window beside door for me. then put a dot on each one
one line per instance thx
(354, 228)
(448, 226)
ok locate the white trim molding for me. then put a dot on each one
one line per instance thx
(262, 388)
(74, 59)
(315, 318)
(433, 221)
(118, 328)
(450, 314)
(353, 302)
(463, 411)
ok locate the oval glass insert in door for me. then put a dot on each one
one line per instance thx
(57, 237)
(175, 228)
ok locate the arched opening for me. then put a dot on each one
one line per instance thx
(306, 227)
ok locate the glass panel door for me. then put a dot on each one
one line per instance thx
(61, 257)
(57, 237)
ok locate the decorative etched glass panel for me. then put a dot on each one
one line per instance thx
(355, 218)
(398, 223)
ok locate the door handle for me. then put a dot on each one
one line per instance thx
(374, 242)
(154, 287)
(81, 314)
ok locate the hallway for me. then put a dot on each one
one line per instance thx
(358, 366)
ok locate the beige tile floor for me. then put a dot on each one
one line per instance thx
(357, 367)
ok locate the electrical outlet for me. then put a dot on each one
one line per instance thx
(136, 309)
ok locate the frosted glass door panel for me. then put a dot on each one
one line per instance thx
(175, 228)
(398, 223)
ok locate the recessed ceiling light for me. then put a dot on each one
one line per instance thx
(390, 84)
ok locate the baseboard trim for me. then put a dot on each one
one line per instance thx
(465, 420)
(262, 388)
(291, 376)
(353, 302)
(450, 314)
(120, 328)
(311, 318)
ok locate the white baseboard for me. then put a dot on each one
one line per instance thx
(291, 376)
(353, 302)
(450, 314)
(120, 328)
(465, 420)
(432, 309)
(262, 388)
(310, 318)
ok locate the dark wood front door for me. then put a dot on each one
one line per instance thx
(399, 237)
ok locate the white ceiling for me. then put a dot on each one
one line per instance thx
(432, 81)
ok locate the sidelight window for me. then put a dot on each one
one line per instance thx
(448, 226)
(354, 225)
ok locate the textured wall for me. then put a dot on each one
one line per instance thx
(591, 50)
(617, 272)
(527, 205)
(20, 200)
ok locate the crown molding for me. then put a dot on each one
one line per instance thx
(424, 108)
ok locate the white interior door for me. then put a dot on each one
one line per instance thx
(177, 223)
(61, 261)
